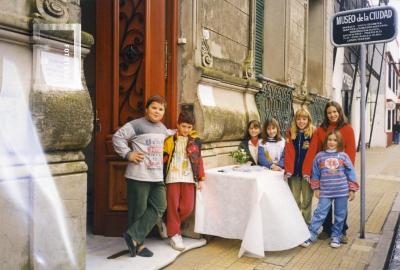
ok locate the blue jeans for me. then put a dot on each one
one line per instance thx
(321, 212)
(327, 225)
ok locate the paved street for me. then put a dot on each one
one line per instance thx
(382, 187)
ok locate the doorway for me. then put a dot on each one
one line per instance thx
(135, 52)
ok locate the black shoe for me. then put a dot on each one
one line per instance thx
(344, 239)
(323, 235)
(131, 246)
(145, 252)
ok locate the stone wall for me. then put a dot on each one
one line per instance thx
(43, 216)
(216, 74)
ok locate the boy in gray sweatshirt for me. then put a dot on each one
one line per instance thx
(144, 173)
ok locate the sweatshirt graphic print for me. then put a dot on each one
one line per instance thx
(333, 174)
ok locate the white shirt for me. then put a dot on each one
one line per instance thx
(254, 151)
(180, 170)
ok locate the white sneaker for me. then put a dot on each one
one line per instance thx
(162, 230)
(335, 243)
(306, 243)
(177, 242)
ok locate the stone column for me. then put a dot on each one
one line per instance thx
(42, 168)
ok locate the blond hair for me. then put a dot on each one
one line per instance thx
(308, 130)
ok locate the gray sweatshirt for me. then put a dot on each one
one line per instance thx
(146, 137)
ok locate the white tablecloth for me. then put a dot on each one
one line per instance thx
(256, 206)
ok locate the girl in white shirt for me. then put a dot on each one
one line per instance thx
(271, 150)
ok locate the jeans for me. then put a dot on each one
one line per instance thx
(321, 212)
(327, 225)
(146, 205)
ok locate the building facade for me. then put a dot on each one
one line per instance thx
(226, 61)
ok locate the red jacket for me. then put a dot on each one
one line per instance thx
(290, 155)
(317, 142)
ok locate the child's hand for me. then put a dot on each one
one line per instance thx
(136, 157)
(307, 178)
(316, 193)
(276, 168)
(200, 185)
(286, 177)
(351, 195)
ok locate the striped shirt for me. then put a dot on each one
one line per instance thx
(333, 174)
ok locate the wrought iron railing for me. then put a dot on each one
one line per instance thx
(316, 108)
(275, 100)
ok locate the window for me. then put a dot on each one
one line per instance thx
(393, 119)
(275, 42)
(390, 75)
(259, 37)
(389, 121)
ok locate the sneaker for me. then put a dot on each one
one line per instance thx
(162, 230)
(335, 242)
(177, 242)
(323, 235)
(306, 243)
(344, 239)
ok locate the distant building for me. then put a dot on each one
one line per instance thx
(382, 92)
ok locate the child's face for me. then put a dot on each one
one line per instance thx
(155, 112)
(272, 131)
(254, 131)
(332, 114)
(184, 129)
(332, 142)
(301, 122)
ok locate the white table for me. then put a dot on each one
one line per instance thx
(256, 206)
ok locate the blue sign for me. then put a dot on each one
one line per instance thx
(364, 26)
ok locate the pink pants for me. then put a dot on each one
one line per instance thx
(180, 203)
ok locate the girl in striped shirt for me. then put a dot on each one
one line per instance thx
(333, 181)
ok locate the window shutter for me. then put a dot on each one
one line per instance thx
(259, 37)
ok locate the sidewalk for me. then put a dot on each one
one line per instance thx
(382, 187)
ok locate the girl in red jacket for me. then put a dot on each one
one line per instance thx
(334, 119)
(298, 140)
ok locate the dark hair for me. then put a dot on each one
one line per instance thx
(254, 123)
(339, 139)
(272, 122)
(186, 117)
(342, 120)
(158, 99)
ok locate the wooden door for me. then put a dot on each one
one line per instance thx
(134, 60)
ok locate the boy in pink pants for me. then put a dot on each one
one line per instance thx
(183, 170)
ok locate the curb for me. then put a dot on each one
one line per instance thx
(381, 253)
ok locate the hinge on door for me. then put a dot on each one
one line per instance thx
(97, 123)
(166, 60)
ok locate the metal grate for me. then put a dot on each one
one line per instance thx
(275, 100)
(316, 109)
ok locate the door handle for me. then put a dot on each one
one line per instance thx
(97, 123)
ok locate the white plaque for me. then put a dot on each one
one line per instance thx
(206, 95)
(60, 70)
